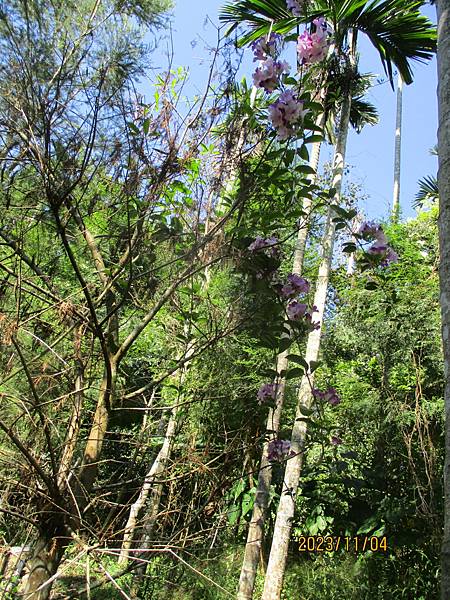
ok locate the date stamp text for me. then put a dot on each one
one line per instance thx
(328, 543)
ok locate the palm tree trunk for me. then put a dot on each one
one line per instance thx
(443, 15)
(300, 246)
(397, 153)
(280, 542)
(255, 535)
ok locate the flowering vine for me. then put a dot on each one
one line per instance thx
(267, 75)
(268, 244)
(278, 450)
(313, 47)
(370, 230)
(266, 46)
(295, 285)
(267, 392)
(330, 396)
(285, 113)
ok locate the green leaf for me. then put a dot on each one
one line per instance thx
(299, 360)
(238, 488)
(247, 502)
(233, 514)
(134, 129)
(321, 523)
(313, 365)
(305, 169)
(285, 343)
(294, 373)
(305, 411)
(272, 373)
(311, 139)
(303, 152)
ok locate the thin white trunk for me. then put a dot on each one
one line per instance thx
(150, 482)
(443, 16)
(255, 535)
(280, 542)
(300, 246)
(151, 486)
(397, 153)
(73, 431)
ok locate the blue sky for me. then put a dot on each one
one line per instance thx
(370, 154)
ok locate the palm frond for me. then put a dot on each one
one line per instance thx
(396, 28)
(398, 31)
(428, 191)
(259, 16)
(362, 113)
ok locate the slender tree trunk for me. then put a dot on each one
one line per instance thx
(300, 246)
(255, 535)
(443, 15)
(43, 564)
(397, 153)
(73, 429)
(94, 444)
(280, 542)
(156, 470)
(151, 490)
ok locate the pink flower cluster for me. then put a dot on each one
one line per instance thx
(268, 391)
(295, 6)
(313, 47)
(285, 113)
(268, 244)
(268, 73)
(330, 396)
(278, 450)
(296, 285)
(370, 230)
(296, 310)
(267, 46)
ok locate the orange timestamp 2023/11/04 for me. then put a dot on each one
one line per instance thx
(328, 543)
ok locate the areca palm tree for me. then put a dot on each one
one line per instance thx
(397, 152)
(361, 114)
(400, 34)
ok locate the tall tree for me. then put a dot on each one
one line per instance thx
(381, 22)
(443, 61)
(285, 511)
(361, 114)
(397, 151)
(88, 177)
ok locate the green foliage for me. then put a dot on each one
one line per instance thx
(382, 353)
(121, 313)
(395, 28)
